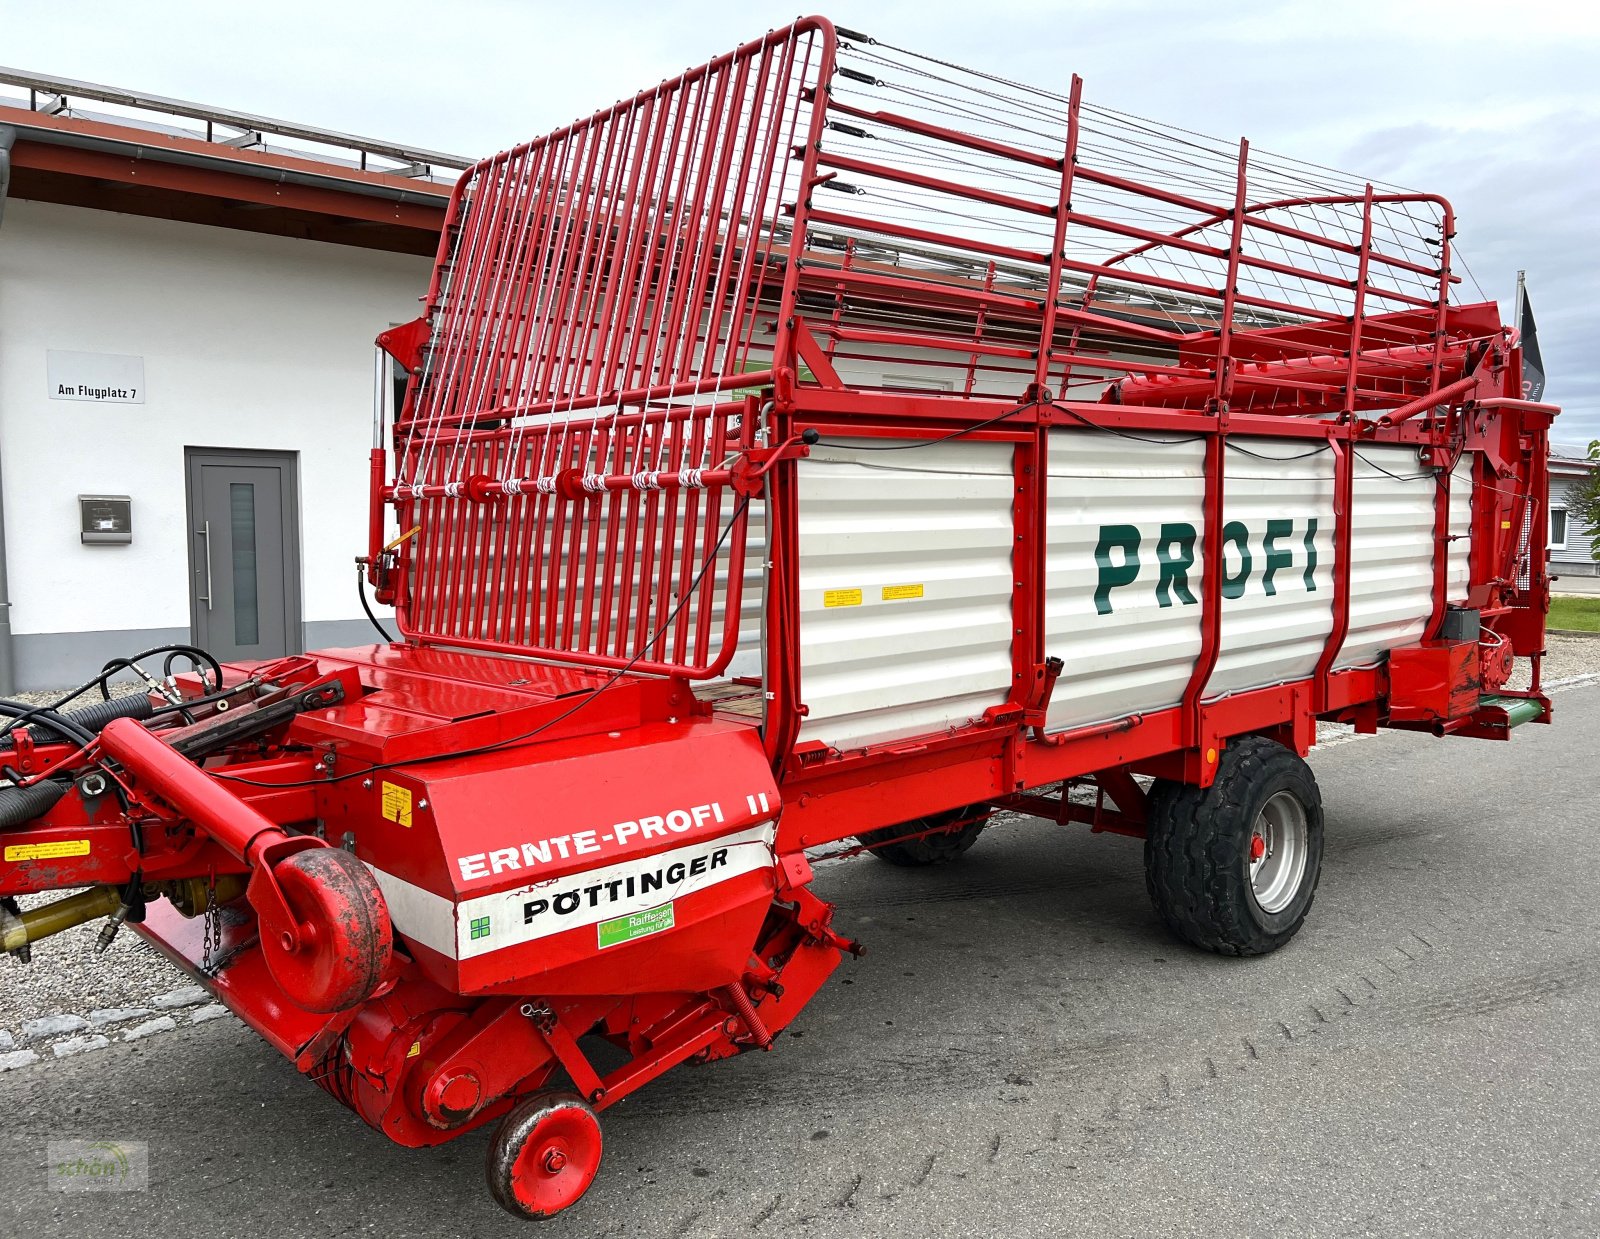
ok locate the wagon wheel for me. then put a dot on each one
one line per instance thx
(543, 1155)
(949, 835)
(1234, 868)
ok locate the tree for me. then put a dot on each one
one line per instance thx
(1583, 502)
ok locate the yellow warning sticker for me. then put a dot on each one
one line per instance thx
(416, 1048)
(397, 804)
(841, 598)
(48, 851)
(1505, 524)
(894, 593)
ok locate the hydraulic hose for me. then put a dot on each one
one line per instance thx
(23, 804)
(59, 726)
(90, 718)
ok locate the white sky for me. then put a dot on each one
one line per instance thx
(1495, 106)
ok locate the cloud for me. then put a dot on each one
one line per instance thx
(1498, 110)
(1524, 198)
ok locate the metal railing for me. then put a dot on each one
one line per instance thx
(814, 209)
(593, 322)
(60, 96)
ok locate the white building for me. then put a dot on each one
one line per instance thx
(188, 300)
(1570, 553)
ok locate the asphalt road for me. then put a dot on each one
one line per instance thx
(1022, 1052)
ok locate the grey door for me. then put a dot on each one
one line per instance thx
(244, 569)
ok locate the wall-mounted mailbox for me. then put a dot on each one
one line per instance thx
(106, 518)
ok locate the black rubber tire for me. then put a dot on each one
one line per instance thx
(934, 849)
(1197, 846)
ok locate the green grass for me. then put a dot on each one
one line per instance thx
(1578, 613)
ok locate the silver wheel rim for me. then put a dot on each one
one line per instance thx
(1276, 857)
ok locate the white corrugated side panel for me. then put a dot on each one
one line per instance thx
(1391, 552)
(1270, 638)
(938, 517)
(1140, 655)
(1457, 570)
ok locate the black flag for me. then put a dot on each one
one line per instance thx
(1532, 362)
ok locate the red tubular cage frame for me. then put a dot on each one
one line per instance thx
(565, 444)
(607, 300)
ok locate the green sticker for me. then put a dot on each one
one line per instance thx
(636, 925)
(480, 927)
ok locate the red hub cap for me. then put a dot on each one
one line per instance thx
(1258, 848)
(545, 1155)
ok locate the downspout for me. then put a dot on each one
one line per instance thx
(8, 670)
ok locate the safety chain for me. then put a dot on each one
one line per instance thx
(211, 931)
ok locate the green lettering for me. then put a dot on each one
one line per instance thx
(1275, 558)
(1112, 576)
(1311, 556)
(1175, 552)
(1236, 533)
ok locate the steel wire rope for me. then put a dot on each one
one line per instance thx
(937, 104)
(1018, 91)
(994, 107)
(1155, 127)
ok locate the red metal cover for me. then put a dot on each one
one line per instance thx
(500, 872)
(1433, 682)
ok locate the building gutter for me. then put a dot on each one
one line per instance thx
(8, 669)
(280, 169)
(61, 87)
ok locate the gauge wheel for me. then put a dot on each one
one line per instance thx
(544, 1154)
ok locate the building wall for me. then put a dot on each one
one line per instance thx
(249, 341)
(1575, 559)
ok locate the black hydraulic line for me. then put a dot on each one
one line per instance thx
(21, 713)
(90, 718)
(361, 589)
(193, 652)
(23, 804)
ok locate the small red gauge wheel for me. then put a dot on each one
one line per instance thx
(544, 1154)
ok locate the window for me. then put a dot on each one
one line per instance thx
(1558, 529)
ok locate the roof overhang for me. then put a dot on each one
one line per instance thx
(112, 167)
